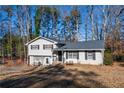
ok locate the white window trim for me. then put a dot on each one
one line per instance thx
(35, 47)
(47, 46)
(72, 55)
(90, 54)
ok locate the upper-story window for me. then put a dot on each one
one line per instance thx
(34, 47)
(47, 46)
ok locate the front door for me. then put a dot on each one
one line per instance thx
(59, 56)
(47, 61)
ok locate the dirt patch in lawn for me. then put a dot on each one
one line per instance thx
(72, 76)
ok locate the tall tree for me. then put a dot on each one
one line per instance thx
(68, 32)
(9, 11)
(38, 14)
(55, 20)
(76, 22)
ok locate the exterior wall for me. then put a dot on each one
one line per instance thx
(98, 60)
(81, 60)
(41, 61)
(41, 51)
(31, 61)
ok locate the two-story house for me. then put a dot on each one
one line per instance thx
(45, 51)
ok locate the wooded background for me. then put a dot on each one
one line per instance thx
(20, 24)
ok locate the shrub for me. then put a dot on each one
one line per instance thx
(107, 58)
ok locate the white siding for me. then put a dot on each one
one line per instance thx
(31, 60)
(42, 60)
(41, 51)
(97, 61)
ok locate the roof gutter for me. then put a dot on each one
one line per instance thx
(75, 49)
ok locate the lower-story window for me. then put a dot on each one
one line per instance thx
(90, 55)
(37, 59)
(72, 55)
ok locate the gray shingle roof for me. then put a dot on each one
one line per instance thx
(96, 44)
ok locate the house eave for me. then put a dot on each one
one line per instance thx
(39, 38)
(75, 49)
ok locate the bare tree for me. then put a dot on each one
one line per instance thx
(9, 11)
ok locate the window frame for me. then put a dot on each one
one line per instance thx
(35, 47)
(73, 55)
(47, 46)
(90, 55)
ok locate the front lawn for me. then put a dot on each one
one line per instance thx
(67, 76)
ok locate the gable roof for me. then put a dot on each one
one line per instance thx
(84, 45)
(40, 37)
(80, 45)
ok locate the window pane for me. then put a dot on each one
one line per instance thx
(90, 55)
(48, 46)
(35, 47)
(72, 55)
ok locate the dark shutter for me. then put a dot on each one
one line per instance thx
(52, 46)
(38, 47)
(94, 56)
(85, 55)
(66, 55)
(31, 46)
(77, 55)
